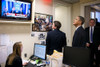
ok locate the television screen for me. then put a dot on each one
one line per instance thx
(16, 9)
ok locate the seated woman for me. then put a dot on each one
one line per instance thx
(14, 59)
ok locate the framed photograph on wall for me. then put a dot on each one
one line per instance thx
(41, 36)
(42, 22)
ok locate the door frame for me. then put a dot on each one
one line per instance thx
(82, 8)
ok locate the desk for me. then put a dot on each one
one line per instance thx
(55, 61)
(30, 65)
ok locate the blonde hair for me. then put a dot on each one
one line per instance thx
(16, 52)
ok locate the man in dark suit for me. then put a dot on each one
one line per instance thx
(56, 39)
(79, 38)
(93, 37)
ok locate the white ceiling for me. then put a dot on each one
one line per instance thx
(71, 1)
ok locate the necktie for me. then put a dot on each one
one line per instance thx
(91, 35)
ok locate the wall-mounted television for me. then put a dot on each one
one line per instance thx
(13, 9)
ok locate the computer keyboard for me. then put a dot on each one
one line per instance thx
(31, 65)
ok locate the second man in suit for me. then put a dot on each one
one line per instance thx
(93, 38)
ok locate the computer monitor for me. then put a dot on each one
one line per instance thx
(78, 57)
(40, 51)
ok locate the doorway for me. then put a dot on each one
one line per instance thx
(90, 10)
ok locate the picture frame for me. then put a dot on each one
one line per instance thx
(42, 22)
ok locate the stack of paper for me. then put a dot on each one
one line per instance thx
(57, 54)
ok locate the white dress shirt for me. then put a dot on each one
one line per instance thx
(77, 27)
(90, 32)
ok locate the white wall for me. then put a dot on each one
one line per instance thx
(42, 7)
(19, 32)
(62, 13)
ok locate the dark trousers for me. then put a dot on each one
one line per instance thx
(98, 58)
(94, 51)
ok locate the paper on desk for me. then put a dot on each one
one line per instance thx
(33, 62)
(57, 54)
(56, 59)
(25, 61)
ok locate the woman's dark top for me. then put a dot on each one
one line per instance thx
(17, 62)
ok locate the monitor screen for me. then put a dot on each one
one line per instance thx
(40, 51)
(15, 9)
(78, 57)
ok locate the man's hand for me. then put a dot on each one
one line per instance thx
(99, 47)
(87, 44)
